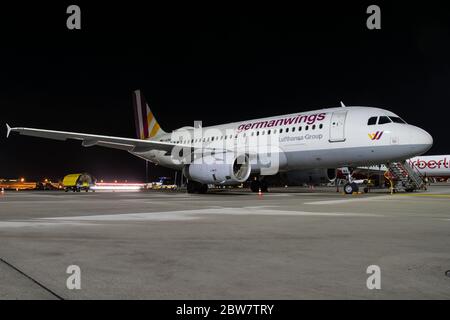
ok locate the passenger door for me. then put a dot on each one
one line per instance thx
(337, 126)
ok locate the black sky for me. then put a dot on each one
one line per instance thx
(216, 64)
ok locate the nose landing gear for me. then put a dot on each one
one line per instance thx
(350, 187)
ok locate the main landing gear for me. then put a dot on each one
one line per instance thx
(256, 184)
(196, 187)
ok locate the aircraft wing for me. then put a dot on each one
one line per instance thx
(128, 144)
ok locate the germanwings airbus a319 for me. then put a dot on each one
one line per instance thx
(228, 154)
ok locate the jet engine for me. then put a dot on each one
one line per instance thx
(309, 176)
(213, 170)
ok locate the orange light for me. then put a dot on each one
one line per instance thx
(22, 179)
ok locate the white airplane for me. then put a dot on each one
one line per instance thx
(227, 154)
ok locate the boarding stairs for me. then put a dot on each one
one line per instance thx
(405, 177)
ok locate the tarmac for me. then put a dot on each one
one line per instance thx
(292, 243)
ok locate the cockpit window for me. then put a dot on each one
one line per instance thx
(372, 121)
(397, 119)
(383, 120)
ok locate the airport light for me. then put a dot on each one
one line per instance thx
(22, 179)
(117, 186)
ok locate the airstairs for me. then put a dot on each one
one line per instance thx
(405, 177)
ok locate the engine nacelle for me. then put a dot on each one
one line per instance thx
(309, 176)
(212, 170)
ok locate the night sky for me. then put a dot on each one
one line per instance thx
(212, 63)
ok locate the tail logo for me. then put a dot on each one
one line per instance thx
(375, 136)
(146, 125)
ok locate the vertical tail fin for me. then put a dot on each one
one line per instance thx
(146, 125)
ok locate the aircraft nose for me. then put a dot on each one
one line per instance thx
(422, 139)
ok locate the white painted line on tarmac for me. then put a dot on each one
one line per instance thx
(38, 223)
(338, 201)
(179, 215)
(191, 214)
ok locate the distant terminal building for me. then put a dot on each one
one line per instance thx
(77, 182)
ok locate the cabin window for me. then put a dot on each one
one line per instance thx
(299, 128)
(314, 127)
(268, 131)
(383, 120)
(320, 126)
(372, 121)
(307, 127)
(281, 130)
(397, 119)
(293, 129)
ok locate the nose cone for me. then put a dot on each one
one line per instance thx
(422, 139)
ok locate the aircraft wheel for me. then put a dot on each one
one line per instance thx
(196, 187)
(349, 188)
(192, 186)
(203, 188)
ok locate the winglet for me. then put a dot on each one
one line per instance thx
(8, 130)
(342, 105)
